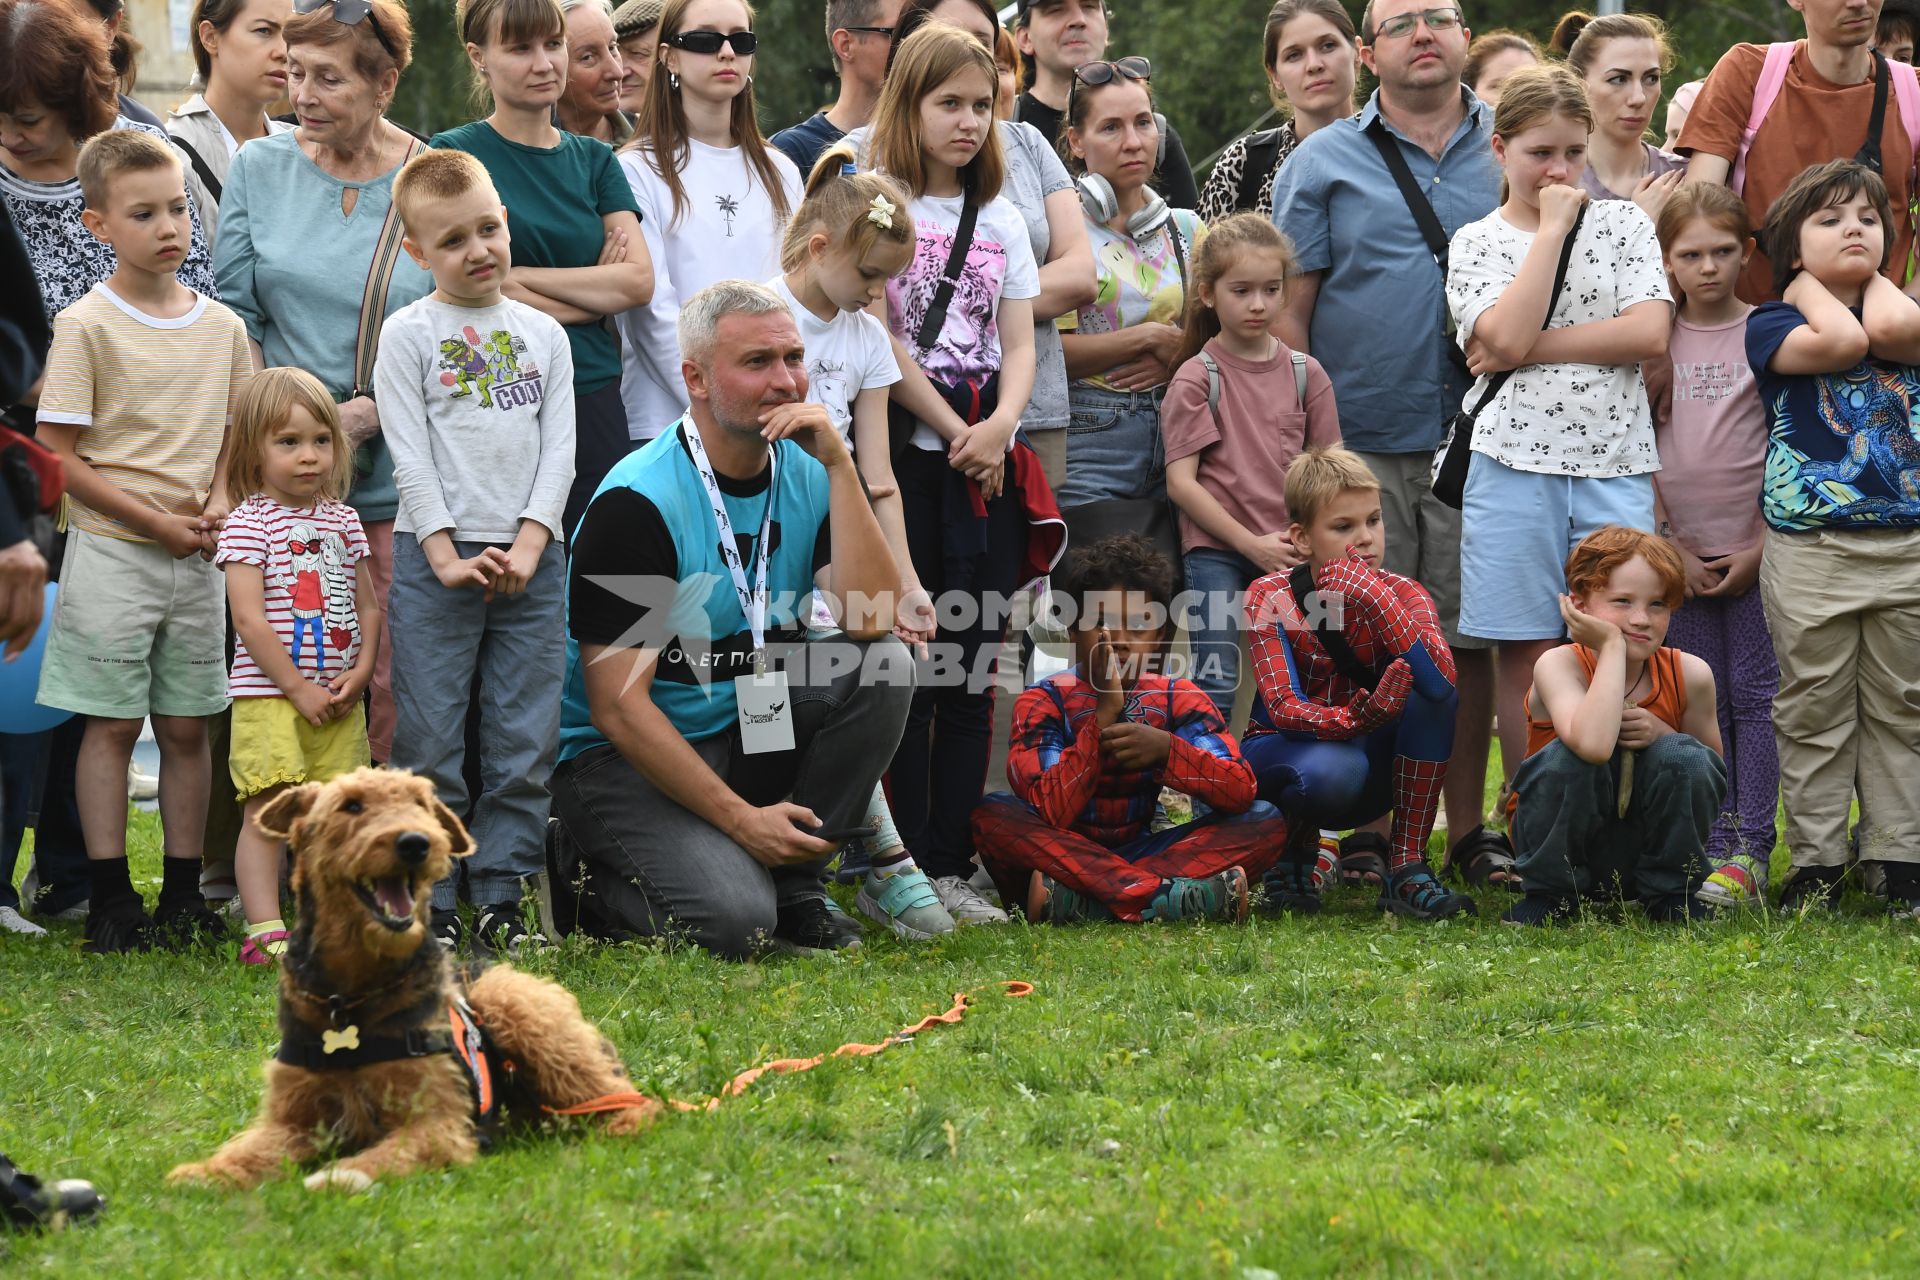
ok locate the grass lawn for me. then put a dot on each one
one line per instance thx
(1338, 1095)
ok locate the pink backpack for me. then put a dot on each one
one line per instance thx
(1773, 75)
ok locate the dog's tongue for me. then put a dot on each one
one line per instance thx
(395, 895)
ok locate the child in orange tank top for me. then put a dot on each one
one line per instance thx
(1623, 774)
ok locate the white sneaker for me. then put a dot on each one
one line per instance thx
(983, 884)
(12, 921)
(964, 903)
(141, 785)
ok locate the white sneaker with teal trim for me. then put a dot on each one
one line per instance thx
(905, 902)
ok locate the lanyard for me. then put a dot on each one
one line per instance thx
(753, 604)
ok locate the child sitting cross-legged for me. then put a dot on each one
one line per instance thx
(1623, 777)
(1356, 684)
(1092, 747)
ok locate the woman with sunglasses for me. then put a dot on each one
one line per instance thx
(304, 246)
(578, 252)
(1120, 347)
(240, 62)
(714, 197)
(1312, 57)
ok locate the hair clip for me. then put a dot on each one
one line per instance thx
(848, 168)
(880, 212)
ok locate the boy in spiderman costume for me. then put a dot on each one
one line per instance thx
(1356, 706)
(1092, 747)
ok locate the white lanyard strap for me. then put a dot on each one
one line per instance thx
(753, 604)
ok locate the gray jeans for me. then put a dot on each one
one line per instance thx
(654, 868)
(1569, 837)
(441, 640)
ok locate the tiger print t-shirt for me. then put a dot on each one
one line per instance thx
(999, 265)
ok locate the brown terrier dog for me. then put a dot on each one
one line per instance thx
(380, 1059)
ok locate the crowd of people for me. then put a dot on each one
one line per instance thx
(662, 490)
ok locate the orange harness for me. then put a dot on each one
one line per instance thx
(1012, 989)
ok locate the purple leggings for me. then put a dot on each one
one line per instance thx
(1731, 636)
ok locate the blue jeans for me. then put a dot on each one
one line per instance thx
(1217, 583)
(1113, 446)
(516, 646)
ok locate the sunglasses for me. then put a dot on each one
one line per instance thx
(303, 548)
(709, 42)
(349, 13)
(1094, 74)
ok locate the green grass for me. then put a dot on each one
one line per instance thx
(1330, 1096)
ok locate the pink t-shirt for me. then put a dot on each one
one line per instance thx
(1245, 466)
(306, 558)
(1711, 431)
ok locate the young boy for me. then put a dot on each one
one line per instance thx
(1356, 706)
(140, 385)
(476, 402)
(1623, 776)
(1838, 363)
(1092, 747)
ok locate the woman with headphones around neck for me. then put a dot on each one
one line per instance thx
(1120, 347)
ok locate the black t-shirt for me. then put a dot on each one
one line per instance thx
(1174, 181)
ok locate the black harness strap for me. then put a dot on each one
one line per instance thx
(347, 1051)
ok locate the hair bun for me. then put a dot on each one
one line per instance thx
(1567, 30)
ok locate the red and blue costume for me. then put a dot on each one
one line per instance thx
(1328, 750)
(1077, 818)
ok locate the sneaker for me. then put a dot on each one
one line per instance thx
(905, 902)
(124, 929)
(841, 923)
(1677, 908)
(1811, 888)
(1055, 903)
(1290, 888)
(499, 928)
(556, 897)
(965, 904)
(445, 928)
(1413, 891)
(809, 924)
(34, 895)
(1902, 889)
(28, 1203)
(263, 948)
(982, 882)
(11, 921)
(856, 862)
(1738, 882)
(188, 924)
(1537, 910)
(141, 785)
(1217, 897)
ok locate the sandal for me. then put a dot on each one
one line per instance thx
(261, 948)
(1363, 860)
(1483, 859)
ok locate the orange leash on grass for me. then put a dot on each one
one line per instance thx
(1013, 989)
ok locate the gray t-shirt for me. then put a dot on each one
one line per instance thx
(1034, 172)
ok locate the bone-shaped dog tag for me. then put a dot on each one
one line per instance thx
(333, 1040)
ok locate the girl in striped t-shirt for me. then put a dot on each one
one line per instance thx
(307, 619)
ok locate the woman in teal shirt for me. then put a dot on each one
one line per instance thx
(577, 251)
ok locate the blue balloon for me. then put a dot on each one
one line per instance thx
(19, 679)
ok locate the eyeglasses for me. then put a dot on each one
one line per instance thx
(709, 42)
(1403, 24)
(885, 33)
(349, 13)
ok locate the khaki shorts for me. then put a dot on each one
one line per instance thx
(135, 632)
(274, 746)
(1423, 536)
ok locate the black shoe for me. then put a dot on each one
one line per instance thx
(1537, 910)
(1289, 888)
(808, 924)
(29, 1204)
(1676, 908)
(118, 930)
(1816, 888)
(856, 863)
(556, 892)
(446, 929)
(187, 924)
(500, 929)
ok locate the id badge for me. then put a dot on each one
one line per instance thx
(766, 712)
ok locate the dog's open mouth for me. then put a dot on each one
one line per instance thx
(390, 899)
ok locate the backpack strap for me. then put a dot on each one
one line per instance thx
(1906, 99)
(1160, 147)
(1212, 367)
(1262, 150)
(1773, 76)
(205, 172)
(1345, 660)
(1300, 378)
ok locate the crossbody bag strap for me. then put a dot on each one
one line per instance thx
(1499, 380)
(1869, 153)
(936, 317)
(1420, 207)
(1345, 660)
(201, 168)
(373, 302)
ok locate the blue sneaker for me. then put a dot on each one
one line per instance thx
(1413, 891)
(906, 903)
(1055, 903)
(1217, 897)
